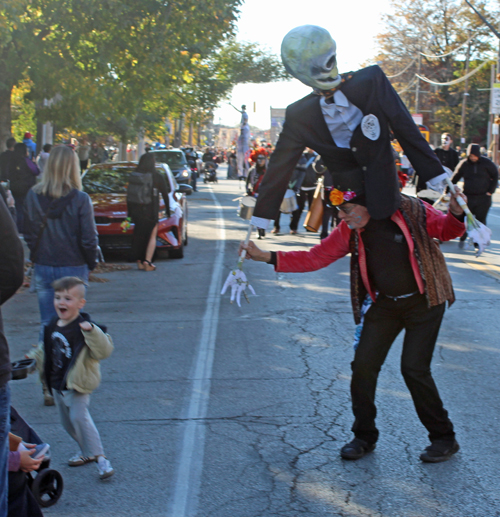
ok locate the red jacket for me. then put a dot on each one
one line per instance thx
(336, 246)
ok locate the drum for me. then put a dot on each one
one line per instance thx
(247, 204)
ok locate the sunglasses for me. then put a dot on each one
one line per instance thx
(347, 210)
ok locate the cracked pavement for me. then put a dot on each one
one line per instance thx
(279, 407)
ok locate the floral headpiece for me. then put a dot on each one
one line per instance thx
(258, 152)
(337, 197)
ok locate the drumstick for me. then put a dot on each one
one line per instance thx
(244, 252)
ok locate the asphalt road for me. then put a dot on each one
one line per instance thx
(210, 410)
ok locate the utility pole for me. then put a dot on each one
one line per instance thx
(417, 87)
(466, 93)
(496, 121)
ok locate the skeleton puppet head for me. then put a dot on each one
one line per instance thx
(310, 54)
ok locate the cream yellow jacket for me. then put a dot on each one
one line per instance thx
(84, 375)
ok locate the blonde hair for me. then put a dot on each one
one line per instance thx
(61, 173)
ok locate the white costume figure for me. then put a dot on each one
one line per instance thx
(243, 145)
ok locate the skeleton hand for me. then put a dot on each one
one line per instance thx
(480, 236)
(238, 282)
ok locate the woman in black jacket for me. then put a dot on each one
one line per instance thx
(22, 173)
(145, 216)
(60, 229)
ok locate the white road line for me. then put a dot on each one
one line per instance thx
(190, 466)
(493, 215)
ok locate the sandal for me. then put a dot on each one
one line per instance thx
(147, 266)
(77, 460)
(140, 265)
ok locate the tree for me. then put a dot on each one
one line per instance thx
(83, 53)
(416, 31)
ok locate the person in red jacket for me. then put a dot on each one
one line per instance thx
(399, 280)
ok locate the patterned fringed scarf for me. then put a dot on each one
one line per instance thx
(431, 262)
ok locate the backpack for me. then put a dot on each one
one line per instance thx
(140, 188)
(310, 177)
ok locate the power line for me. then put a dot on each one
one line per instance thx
(448, 53)
(402, 71)
(455, 81)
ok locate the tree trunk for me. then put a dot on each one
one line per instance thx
(190, 138)
(122, 151)
(5, 115)
(141, 144)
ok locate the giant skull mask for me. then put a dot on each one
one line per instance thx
(310, 54)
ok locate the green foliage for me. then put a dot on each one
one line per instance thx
(110, 65)
(23, 112)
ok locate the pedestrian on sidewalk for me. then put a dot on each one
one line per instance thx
(305, 188)
(43, 157)
(143, 205)
(68, 358)
(60, 231)
(255, 176)
(83, 151)
(30, 145)
(480, 177)
(446, 154)
(6, 157)
(22, 176)
(399, 272)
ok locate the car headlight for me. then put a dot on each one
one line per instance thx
(185, 174)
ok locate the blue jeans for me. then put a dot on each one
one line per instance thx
(44, 276)
(4, 448)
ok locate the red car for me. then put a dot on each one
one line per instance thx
(106, 184)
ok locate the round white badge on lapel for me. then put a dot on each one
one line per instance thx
(370, 127)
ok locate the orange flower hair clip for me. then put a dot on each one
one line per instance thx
(337, 197)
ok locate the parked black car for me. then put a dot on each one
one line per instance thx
(176, 160)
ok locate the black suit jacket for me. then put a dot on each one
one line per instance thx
(369, 90)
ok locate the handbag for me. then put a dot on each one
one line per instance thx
(314, 217)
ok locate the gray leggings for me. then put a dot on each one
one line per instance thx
(75, 418)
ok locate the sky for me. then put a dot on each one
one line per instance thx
(267, 21)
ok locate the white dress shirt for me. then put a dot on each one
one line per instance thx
(341, 117)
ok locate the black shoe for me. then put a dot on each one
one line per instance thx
(356, 449)
(439, 450)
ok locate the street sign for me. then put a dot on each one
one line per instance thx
(418, 118)
(495, 99)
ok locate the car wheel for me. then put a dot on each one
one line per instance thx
(177, 253)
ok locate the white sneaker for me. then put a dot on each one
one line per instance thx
(104, 467)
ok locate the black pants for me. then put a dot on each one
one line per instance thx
(384, 320)
(143, 227)
(302, 196)
(479, 205)
(329, 212)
